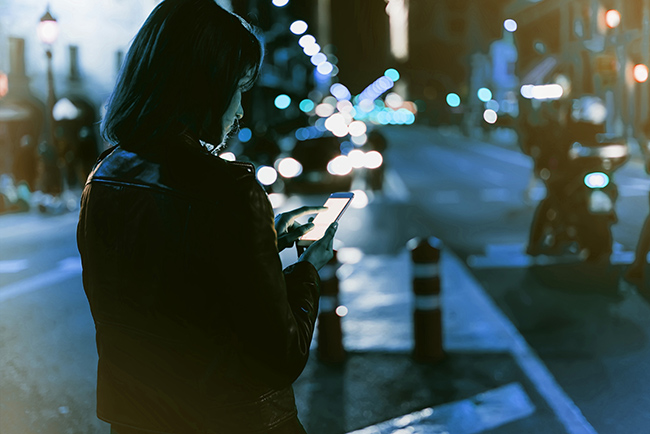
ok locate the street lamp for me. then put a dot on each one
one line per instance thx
(48, 28)
(48, 31)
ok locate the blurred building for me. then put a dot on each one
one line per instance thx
(361, 36)
(98, 27)
(447, 40)
(600, 47)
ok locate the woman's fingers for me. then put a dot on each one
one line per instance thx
(284, 221)
(296, 231)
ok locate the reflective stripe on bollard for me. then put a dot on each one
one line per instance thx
(427, 302)
(427, 316)
(330, 335)
(424, 271)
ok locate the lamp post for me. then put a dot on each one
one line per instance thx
(48, 31)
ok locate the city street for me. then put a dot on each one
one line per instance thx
(584, 328)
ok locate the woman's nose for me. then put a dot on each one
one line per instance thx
(240, 112)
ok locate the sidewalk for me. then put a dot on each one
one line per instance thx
(491, 380)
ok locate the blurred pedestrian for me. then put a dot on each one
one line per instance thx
(636, 272)
(198, 328)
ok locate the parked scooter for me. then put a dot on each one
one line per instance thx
(577, 214)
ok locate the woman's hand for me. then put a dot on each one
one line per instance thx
(289, 230)
(321, 251)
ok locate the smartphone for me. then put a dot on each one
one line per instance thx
(336, 205)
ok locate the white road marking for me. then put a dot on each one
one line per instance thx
(633, 190)
(472, 322)
(67, 268)
(15, 226)
(502, 154)
(495, 177)
(13, 266)
(446, 197)
(395, 188)
(563, 407)
(495, 195)
(480, 413)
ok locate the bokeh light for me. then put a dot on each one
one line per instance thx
(612, 18)
(360, 199)
(596, 180)
(357, 128)
(339, 166)
(527, 91)
(392, 74)
(349, 255)
(298, 27)
(324, 110)
(453, 100)
(484, 94)
(318, 58)
(393, 100)
(306, 40)
(306, 105)
(337, 125)
(267, 175)
(490, 116)
(357, 158)
(641, 73)
(341, 311)
(340, 92)
(345, 106)
(312, 49)
(492, 105)
(280, 3)
(289, 167)
(510, 25)
(325, 68)
(277, 199)
(373, 160)
(244, 135)
(282, 101)
(359, 140)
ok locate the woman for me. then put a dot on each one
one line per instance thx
(199, 330)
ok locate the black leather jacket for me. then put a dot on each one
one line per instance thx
(198, 328)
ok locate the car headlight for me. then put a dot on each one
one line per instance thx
(340, 165)
(289, 167)
(373, 160)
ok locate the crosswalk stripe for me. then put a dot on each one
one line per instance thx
(13, 266)
(474, 415)
(66, 269)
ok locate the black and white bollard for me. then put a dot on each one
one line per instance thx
(330, 334)
(427, 316)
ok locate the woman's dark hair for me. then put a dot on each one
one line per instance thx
(185, 62)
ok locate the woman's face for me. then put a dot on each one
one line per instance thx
(233, 112)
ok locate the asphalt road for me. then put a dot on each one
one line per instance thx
(466, 192)
(589, 329)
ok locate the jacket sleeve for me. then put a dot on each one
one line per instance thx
(273, 310)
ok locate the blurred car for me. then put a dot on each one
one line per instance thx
(314, 166)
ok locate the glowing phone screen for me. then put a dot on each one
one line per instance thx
(335, 206)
